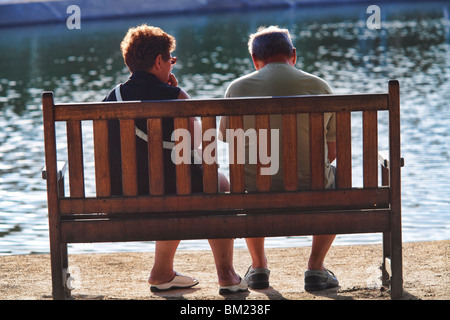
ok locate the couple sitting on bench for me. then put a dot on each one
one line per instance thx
(147, 53)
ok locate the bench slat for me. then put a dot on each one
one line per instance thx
(317, 151)
(210, 178)
(75, 156)
(128, 155)
(183, 170)
(262, 122)
(237, 182)
(289, 147)
(101, 155)
(334, 199)
(220, 107)
(370, 149)
(155, 156)
(233, 225)
(343, 150)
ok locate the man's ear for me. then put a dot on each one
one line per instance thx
(256, 62)
(294, 56)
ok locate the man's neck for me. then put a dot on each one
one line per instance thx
(281, 58)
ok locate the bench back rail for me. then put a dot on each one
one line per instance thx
(100, 113)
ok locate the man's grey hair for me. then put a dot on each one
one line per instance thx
(267, 42)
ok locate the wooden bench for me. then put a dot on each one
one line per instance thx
(373, 207)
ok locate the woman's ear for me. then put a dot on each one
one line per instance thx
(157, 64)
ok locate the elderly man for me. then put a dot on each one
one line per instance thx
(274, 58)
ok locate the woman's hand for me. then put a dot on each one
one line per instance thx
(173, 82)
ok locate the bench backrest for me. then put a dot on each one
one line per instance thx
(370, 196)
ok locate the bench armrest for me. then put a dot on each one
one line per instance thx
(383, 158)
(61, 170)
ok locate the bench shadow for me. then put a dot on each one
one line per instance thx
(360, 293)
(333, 293)
(271, 293)
(236, 296)
(176, 294)
(89, 297)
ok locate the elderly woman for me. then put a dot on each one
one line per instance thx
(147, 54)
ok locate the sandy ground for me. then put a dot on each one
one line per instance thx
(123, 276)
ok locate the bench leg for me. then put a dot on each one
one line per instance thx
(392, 269)
(58, 256)
(396, 266)
(59, 264)
(385, 266)
(58, 280)
(66, 274)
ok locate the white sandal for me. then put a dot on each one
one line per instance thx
(240, 287)
(178, 282)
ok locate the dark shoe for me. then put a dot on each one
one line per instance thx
(319, 280)
(257, 278)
